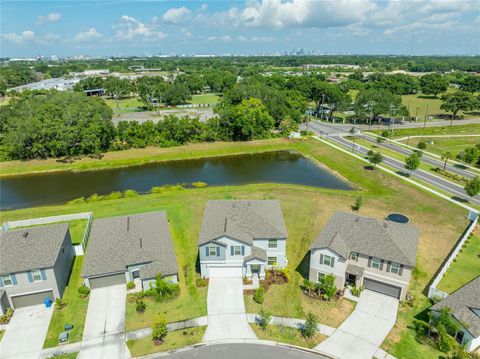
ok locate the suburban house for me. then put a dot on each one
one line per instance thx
(361, 251)
(242, 238)
(35, 264)
(464, 306)
(132, 248)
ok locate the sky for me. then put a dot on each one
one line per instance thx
(125, 28)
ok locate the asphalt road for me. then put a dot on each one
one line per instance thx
(242, 351)
(456, 191)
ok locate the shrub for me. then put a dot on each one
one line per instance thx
(309, 328)
(202, 282)
(164, 290)
(356, 291)
(421, 327)
(80, 200)
(385, 133)
(130, 285)
(422, 145)
(140, 306)
(166, 188)
(60, 303)
(259, 295)
(133, 297)
(327, 287)
(264, 318)
(94, 198)
(159, 330)
(199, 184)
(130, 193)
(83, 291)
(113, 195)
(4, 319)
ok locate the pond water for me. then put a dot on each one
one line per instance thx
(271, 167)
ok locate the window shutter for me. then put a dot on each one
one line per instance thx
(218, 251)
(30, 277)
(400, 272)
(1, 282)
(369, 261)
(389, 264)
(243, 250)
(14, 278)
(381, 264)
(44, 275)
(321, 258)
(232, 250)
(207, 253)
(332, 262)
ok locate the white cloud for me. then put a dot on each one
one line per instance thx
(130, 28)
(176, 15)
(51, 17)
(89, 35)
(27, 35)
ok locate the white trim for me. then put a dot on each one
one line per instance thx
(386, 278)
(3, 281)
(33, 292)
(33, 275)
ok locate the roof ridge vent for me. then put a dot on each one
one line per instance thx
(25, 234)
(225, 225)
(141, 243)
(128, 223)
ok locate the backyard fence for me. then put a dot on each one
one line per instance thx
(79, 249)
(432, 290)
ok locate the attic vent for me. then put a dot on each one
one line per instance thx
(25, 234)
(225, 226)
(141, 243)
(128, 223)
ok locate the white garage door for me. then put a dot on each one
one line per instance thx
(225, 272)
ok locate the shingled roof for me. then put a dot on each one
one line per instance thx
(346, 233)
(31, 248)
(465, 306)
(118, 242)
(257, 253)
(242, 220)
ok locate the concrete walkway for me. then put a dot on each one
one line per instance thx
(227, 318)
(362, 333)
(25, 334)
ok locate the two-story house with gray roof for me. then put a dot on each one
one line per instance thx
(242, 238)
(464, 306)
(133, 248)
(35, 264)
(362, 251)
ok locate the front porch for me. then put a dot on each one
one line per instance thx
(255, 269)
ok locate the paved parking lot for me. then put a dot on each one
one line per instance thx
(104, 333)
(26, 332)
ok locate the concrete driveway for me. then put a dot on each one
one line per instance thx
(227, 318)
(362, 333)
(26, 332)
(104, 332)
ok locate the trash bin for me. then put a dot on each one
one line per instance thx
(68, 327)
(63, 337)
(48, 302)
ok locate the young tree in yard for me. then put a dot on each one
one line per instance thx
(470, 155)
(433, 84)
(472, 187)
(412, 162)
(308, 286)
(328, 287)
(264, 318)
(458, 101)
(446, 156)
(358, 204)
(163, 289)
(375, 158)
(159, 330)
(309, 328)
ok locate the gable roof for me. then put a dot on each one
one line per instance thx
(346, 233)
(242, 220)
(257, 253)
(463, 304)
(31, 248)
(118, 242)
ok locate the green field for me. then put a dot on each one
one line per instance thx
(205, 99)
(470, 129)
(126, 103)
(465, 267)
(440, 145)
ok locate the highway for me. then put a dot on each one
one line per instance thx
(336, 136)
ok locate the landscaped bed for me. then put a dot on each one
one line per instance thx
(176, 339)
(287, 335)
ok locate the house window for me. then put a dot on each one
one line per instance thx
(320, 276)
(459, 336)
(237, 250)
(354, 256)
(36, 275)
(395, 268)
(7, 280)
(376, 263)
(272, 243)
(327, 260)
(272, 261)
(212, 251)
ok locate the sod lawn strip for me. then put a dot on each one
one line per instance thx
(470, 129)
(176, 339)
(287, 335)
(440, 145)
(65, 356)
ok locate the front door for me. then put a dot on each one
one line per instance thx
(135, 274)
(255, 268)
(351, 279)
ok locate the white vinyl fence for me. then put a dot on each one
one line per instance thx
(433, 291)
(79, 249)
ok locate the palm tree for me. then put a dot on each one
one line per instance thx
(446, 156)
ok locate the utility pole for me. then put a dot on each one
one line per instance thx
(321, 106)
(425, 120)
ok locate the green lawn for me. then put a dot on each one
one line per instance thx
(306, 211)
(417, 105)
(126, 103)
(287, 335)
(1, 334)
(465, 268)
(455, 145)
(470, 129)
(74, 313)
(77, 229)
(209, 98)
(176, 339)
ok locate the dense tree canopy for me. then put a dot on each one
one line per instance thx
(433, 84)
(375, 102)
